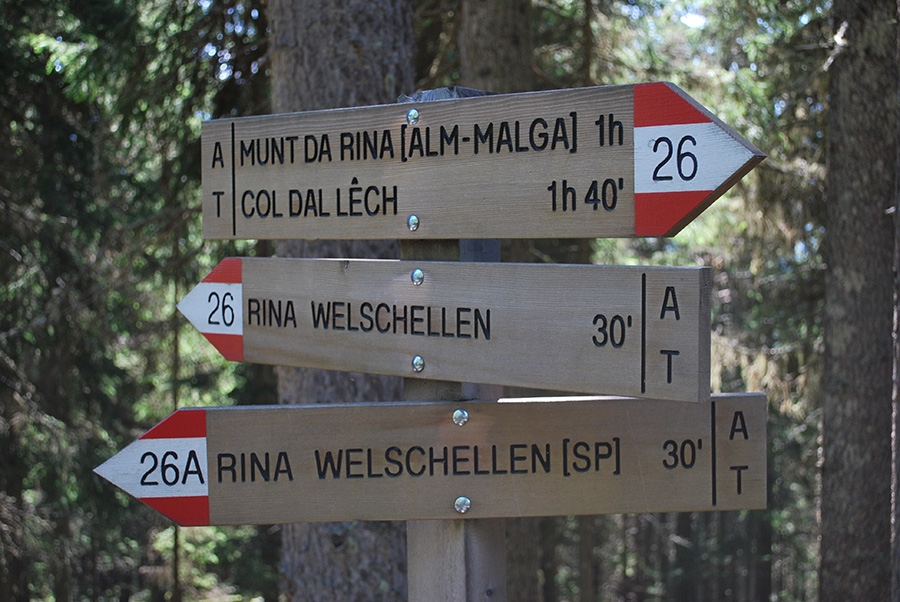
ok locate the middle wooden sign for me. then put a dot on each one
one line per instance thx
(635, 331)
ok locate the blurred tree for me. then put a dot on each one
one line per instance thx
(328, 56)
(863, 148)
(101, 104)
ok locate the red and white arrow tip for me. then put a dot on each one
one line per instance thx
(166, 468)
(684, 159)
(215, 308)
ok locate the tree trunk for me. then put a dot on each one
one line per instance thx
(495, 48)
(862, 152)
(326, 55)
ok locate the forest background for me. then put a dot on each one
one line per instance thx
(99, 195)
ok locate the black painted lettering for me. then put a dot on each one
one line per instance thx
(370, 145)
(415, 143)
(475, 468)
(369, 472)
(310, 148)
(218, 194)
(274, 313)
(519, 147)
(321, 314)
(248, 193)
(346, 146)
(457, 460)
(295, 195)
(515, 458)
(289, 316)
(283, 466)
(428, 151)
(218, 156)
(226, 463)
(433, 459)
(610, 130)
(365, 313)
(337, 194)
(350, 321)
(582, 463)
(415, 319)
(248, 153)
(409, 470)
(448, 138)
(291, 140)
(329, 464)
(738, 426)
(460, 322)
(483, 323)
(337, 315)
(253, 310)
(352, 463)
(740, 472)
(255, 465)
(670, 303)
(494, 469)
(324, 149)
(277, 150)
(444, 332)
(504, 137)
(355, 199)
(392, 456)
(371, 191)
(538, 140)
(388, 199)
(263, 208)
(399, 318)
(560, 134)
(537, 457)
(485, 137)
(565, 458)
(387, 145)
(669, 353)
(383, 308)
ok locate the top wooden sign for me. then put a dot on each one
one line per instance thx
(619, 161)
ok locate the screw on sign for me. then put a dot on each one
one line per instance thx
(617, 161)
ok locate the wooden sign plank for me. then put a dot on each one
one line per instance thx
(395, 461)
(635, 331)
(618, 161)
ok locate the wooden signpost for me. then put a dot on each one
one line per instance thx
(449, 460)
(621, 161)
(618, 161)
(634, 331)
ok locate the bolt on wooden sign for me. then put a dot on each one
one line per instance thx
(444, 460)
(636, 331)
(618, 161)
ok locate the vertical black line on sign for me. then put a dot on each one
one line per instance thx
(233, 187)
(712, 428)
(644, 333)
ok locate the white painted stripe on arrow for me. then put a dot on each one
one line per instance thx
(215, 308)
(683, 158)
(153, 468)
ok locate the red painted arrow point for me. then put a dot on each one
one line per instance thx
(166, 468)
(215, 308)
(684, 159)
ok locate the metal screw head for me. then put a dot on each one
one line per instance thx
(460, 417)
(412, 116)
(417, 276)
(412, 222)
(418, 363)
(462, 504)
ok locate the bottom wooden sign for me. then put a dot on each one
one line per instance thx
(443, 460)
